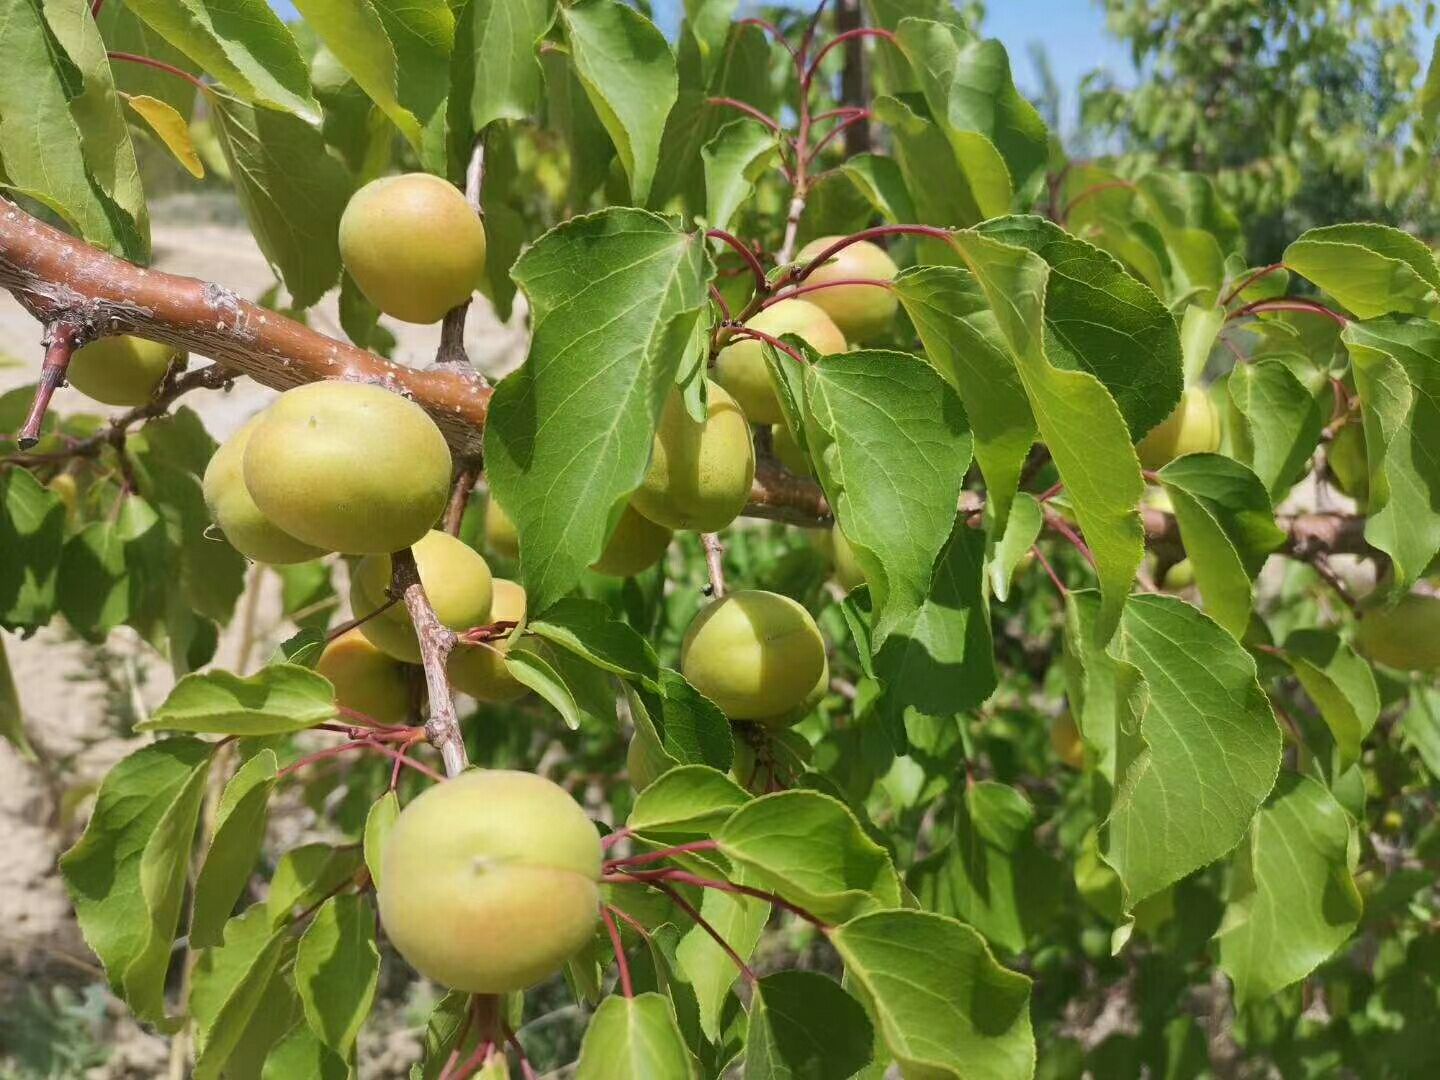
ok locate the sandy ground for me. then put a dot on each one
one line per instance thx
(75, 696)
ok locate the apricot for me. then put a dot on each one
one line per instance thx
(1180, 576)
(636, 544)
(847, 568)
(479, 670)
(757, 655)
(457, 583)
(365, 679)
(700, 473)
(1193, 428)
(1405, 637)
(490, 881)
(1349, 463)
(861, 312)
(810, 703)
(788, 451)
(740, 367)
(348, 467)
(1066, 742)
(249, 531)
(121, 369)
(501, 537)
(414, 246)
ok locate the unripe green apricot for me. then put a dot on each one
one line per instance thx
(249, 531)
(1349, 464)
(501, 537)
(862, 312)
(489, 881)
(457, 583)
(810, 703)
(1180, 576)
(348, 467)
(740, 367)
(755, 654)
(414, 246)
(1193, 428)
(120, 369)
(847, 568)
(636, 544)
(788, 451)
(1405, 637)
(700, 474)
(479, 670)
(1066, 742)
(365, 679)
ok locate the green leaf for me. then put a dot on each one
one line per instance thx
(963, 341)
(587, 629)
(12, 718)
(939, 660)
(123, 31)
(1206, 752)
(1022, 529)
(239, 831)
(1341, 684)
(243, 43)
(1077, 418)
(688, 800)
(809, 849)
(1396, 363)
(396, 52)
(32, 532)
(127, 873)
(573, 117)
(708, 968)
(614, 298)
(1421, 727)
(637, 1038)
(1282, 423)
(880, 180)
(804, 1026)
(994, 131)
(307, 874)
(580, 692)
(63, 140)
(378, 823)
(628, 72)
(232, 991)
(448, 1022)
(942, 1003)
(1228, 527)
(301, 1053)
(1372, 269)
(1292, 900)
(337, 968)
(495, 71)
(739, 154)
(942, 191)
(111, 572)
(890, 444)
(292, 191)
(278, 699)
(992, 875)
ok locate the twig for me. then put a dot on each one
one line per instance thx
(360, 620)
(1249, 280)
(1308, 307)
(61, 341)
(840, 39)
(762, 283)
(526, 1070)
(1044, 562)
(769, 339)
(465, 477)
(790, 294)
(436, 640)
(704, 924)
(621, 963)
(661, 856)
(683, 877)
(714, 556)
(451, 352)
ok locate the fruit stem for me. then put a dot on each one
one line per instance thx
(714, 554)
(61, 340)
(662, 855)
(700, 921)
(626, 986)
(611, 839)
(526, 1070)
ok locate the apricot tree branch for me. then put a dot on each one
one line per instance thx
(62, 338)
(714, 556)
(436, 641)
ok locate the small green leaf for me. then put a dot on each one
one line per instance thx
(1341, 684)
(448, 1022)
(1292, 899)
(239, 831)
(378, 823)
(1282, 423)
(942, 1003)
(587, 629)
(738, 155)
(637, 1038)
(687, 725)
(337, 968)
(32, 533)
(301, 1053)
(278, 699)
(810, 850)
(1372, 269)
(709, 969)
(688, 800)
(308, 873)
(804, 1026)
(127, 873)
(495, 71)
(232, 991)
(1021, 531)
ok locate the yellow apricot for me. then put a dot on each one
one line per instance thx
(348, 467)
(862, 312)
(457, 583)
(490, 881)
(1193, 428)
(249, 531)
(636, 544)
(740, 367)
(700, 474)
(414, 246)
(366, 680)
(1405, 637)
(1180, 576)
(479, 670)
(120, 369)
(500, 535)
(755, 654)
(847, 568)
(1066, 742)
(805, 708)
(788, 451)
